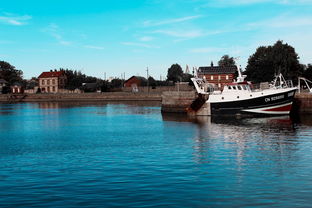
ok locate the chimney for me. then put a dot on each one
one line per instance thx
(211, 64)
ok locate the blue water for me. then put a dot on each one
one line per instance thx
(127, 155)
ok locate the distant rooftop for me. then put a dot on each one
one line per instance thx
(52, 74)
(217, 70)
(142, 79)
(2, 81)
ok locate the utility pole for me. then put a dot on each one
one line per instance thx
(147, 79)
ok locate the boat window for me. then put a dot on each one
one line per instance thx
(234, 88)
(244, 87)
(229, 87)
(239, 87)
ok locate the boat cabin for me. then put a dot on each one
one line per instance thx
(237, 87)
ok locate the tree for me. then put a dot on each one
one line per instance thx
(175, 73)
(226, 60)
(308, 72)
(76, 78)
(9, 73)
(116, 83)
(152, 82)
(268, 61)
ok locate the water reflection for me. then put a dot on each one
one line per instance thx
(54, 105)
(267, 137)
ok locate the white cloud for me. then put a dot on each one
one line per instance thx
(14, 20)
(146, 38)
(150, 23)
(54, 30)
(181, 34)
(94, 47)
(138, 44)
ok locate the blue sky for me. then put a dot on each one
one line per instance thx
(126, 36)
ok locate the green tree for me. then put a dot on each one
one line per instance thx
(152, 82)
(268, 61)
(175, 73)
(226, 60)
(76, 78)
(10, 73)
(116, 83)
(308, 72)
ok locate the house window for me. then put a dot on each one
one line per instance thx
(43, 82)
(53, 81)
(53, 89)
(211, 77)
(48, 89)
(48, 81)
(227, 77)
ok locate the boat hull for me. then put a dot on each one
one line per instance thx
(273, 104)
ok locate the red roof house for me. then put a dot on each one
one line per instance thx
(52, 81)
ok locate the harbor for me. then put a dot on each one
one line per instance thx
(129, 155)
(156, 104)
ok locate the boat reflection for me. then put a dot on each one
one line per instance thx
(239, 136)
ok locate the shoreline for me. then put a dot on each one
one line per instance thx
(83, 97)
(171, 101)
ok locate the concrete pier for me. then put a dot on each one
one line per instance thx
(303, 103)
(177, 102)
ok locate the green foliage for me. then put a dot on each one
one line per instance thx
(268, 61)
(116, 83)
(76, 78)
(226, 60)
(9, 73)
(175, 73)
(152, 82)
(308, 72)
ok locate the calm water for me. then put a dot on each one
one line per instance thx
(125, 155)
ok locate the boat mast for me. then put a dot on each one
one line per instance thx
(241, 77)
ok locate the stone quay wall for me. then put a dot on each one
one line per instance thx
(303, 103)
(177, 101)
(109, 96)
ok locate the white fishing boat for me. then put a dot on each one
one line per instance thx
(241, 97)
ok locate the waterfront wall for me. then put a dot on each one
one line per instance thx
(303, 103)
(109, 96)
(183, 86)
(177, 102)
(172, 101)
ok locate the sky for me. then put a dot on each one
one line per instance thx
(115, 37)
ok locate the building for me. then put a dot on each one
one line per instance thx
(52, 81)
(218, 75)
(134, 82)
(17, 88)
